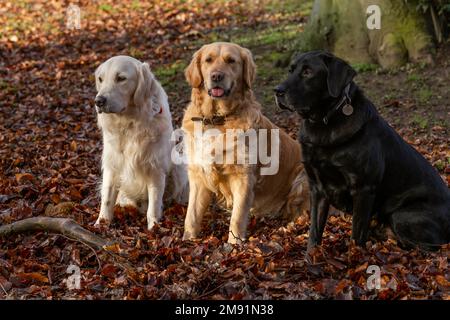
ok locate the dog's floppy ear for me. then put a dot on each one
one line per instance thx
(193, 72)
(144, 86)
(340, 74)
(248, 68)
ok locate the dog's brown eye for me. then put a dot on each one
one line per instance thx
(307, 72)
(100, 79)
(209, 59)
(231, 60)
(121, 78)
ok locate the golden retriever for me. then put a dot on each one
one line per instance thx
(221, 76)
(134, 116)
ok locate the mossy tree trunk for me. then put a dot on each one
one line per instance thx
(340, 26)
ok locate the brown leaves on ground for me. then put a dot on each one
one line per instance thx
(50, 151)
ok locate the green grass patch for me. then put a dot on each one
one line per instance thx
(414, 78)
(290, 6)
(255, 38)
(420, 121)
(389, 96)
(269, 36)
(166, 73)
(135, 5)
(365, 67)
(440, 165)
(106, 7)
(136, 53)
(7, 87)
(424, 95)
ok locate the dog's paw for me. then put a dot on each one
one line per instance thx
(151, 224)
(102, 221)
(188, 236)
(314, 254)
(232, 239)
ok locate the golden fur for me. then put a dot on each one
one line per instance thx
(238, 186)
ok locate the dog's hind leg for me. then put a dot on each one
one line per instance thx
(419, 229)
(155, 189)
(179, 183)
(298, 198)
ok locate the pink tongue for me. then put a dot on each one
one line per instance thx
(217, 92)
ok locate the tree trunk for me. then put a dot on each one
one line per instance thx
(340, 26)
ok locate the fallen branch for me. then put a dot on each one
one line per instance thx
(64, 226)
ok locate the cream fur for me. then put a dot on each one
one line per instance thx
(136, 141)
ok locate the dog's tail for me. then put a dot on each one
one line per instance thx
(180, 184)
(178, 178)
(298, 198)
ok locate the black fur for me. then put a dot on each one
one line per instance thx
(357, 162)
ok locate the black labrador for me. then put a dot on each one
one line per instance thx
(356, 162)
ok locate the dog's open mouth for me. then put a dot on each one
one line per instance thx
(108, 110)
(219, 92)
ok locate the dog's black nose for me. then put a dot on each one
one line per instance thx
(217, 76)
(279, 91)
(100, 101)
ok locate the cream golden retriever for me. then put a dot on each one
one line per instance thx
(134, 116)
(221, 76)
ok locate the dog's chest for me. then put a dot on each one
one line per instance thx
(217, 152)
(326, 170)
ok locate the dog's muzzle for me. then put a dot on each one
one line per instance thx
(280, 98)
(100, 104)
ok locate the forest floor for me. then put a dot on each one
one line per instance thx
(50, 149)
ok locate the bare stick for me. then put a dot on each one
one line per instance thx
(64, 226)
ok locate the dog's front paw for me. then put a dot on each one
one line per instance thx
(234, 239)
(151, 224)
(314, 254)
(102, 220)
(187, 235)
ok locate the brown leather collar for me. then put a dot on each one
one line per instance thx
(214, 120)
